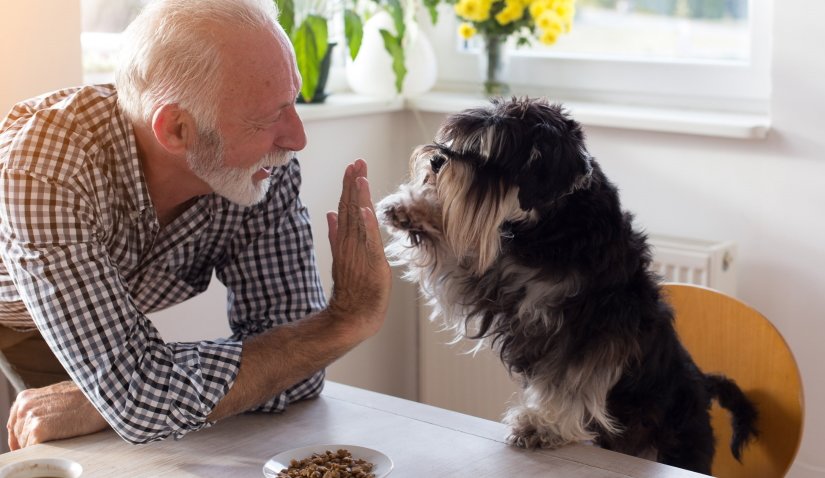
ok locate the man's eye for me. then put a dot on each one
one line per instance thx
(436, 162)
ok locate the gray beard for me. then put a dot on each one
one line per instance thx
(206, 159)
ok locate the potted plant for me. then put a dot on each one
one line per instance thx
(306, 24)
(391, 23)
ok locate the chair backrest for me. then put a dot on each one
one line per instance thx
(727, 336)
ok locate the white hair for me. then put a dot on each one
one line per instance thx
(170, 54)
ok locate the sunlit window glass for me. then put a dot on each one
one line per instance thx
(102, 22)
(692, 30)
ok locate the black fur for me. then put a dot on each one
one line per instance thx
(575, 233)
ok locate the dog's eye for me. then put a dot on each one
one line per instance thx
(436, 162)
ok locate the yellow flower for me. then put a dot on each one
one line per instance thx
(566, 11)
(473, 10)
(466, 31)
(549, 20)
(512, 11)
(549, 37)
(504, 17)
(537, 7)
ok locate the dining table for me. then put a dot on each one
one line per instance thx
(420, 440)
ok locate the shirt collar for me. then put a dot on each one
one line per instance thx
(128, 160)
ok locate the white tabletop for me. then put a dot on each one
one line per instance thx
(423, 441)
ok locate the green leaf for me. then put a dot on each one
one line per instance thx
(431, 6)
(396, 11)
(318, 25)
(393, 46)
(286, 16)
(311, 42)
(353, 31)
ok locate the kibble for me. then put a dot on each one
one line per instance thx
(329, 464)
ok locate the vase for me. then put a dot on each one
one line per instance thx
(493, 64)
(371, 72)
(321, 90)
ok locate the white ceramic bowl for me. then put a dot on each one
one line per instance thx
(42, 468)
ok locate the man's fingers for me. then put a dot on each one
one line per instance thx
(363, 198)
(52, 412)
(25, 431)
(33, 431)
(12, 414)
(17, 419)
(354, 222)
(10, 426)
(360, 168)
(349, 220)
(343, 203)
(355, 226)
(371, 226)
(332, 227)
(21, 428)
(371, 236)
(374, 229)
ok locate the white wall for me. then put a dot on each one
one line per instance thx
(39, 52)
(39, 48)
(767, 195)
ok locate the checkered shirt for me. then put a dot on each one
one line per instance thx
(84, 256)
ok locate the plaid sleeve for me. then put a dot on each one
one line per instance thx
(272, 277)
(53, 246)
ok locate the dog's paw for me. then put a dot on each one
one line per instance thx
(526, 437)
(531, 437)
(530, 429)
(398, 218)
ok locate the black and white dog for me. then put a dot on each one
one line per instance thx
(519, 240)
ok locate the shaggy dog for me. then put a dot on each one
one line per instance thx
(518, 239)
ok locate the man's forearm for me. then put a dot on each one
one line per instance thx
(283, 356)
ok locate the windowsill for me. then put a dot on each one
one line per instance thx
(343, 105)
(641, 118)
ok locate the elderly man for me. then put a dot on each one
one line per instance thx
(120, 200)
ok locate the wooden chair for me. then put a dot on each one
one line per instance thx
(727, 336)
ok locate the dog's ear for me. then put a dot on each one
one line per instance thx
(558, 162)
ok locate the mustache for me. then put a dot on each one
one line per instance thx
(276, 158)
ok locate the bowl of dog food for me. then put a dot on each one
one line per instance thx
(341, 461)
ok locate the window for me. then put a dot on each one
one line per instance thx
(704, 54)
(687, 30)
(102, 22)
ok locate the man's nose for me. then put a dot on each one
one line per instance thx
(293, 137)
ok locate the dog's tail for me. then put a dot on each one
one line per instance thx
(743, 411)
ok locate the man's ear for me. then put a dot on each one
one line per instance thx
(174, 128)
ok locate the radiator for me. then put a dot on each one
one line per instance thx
(695, 261)
(478, 384)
